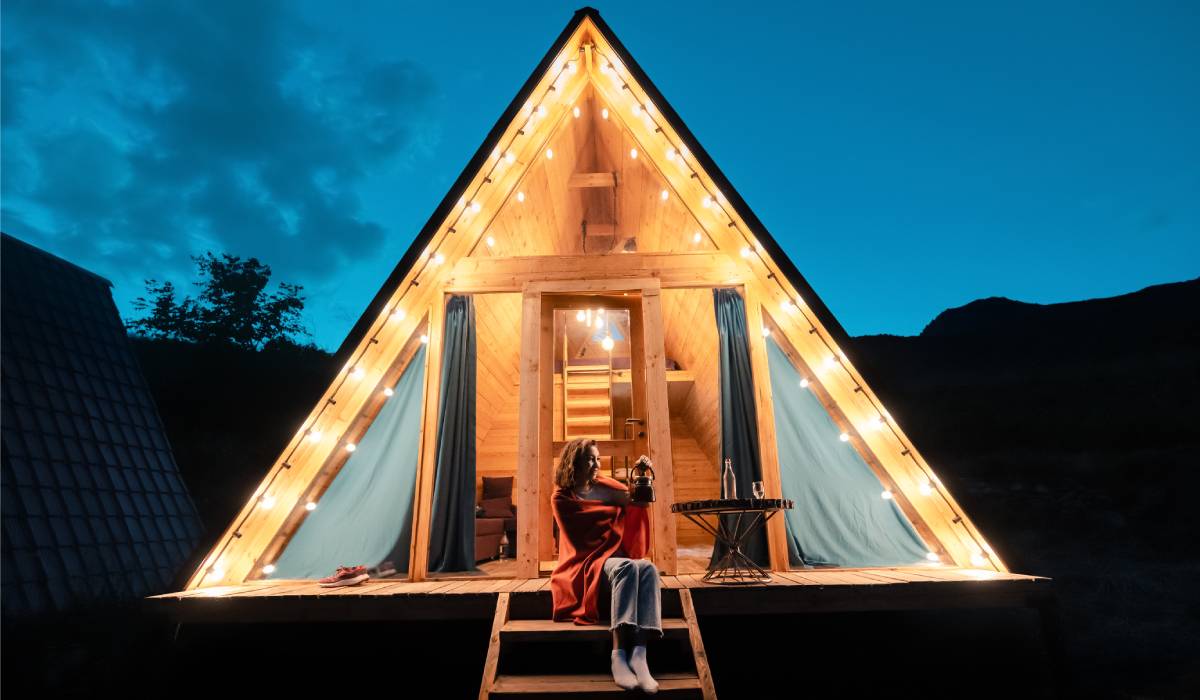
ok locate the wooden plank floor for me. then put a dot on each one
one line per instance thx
(809, 590)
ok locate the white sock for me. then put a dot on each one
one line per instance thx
(637, 662)
(621, 672)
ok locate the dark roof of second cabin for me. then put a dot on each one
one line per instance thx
(94, 509)
(459, 189)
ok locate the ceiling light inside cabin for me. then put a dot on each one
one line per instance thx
(633, 153)
(604, 113)
(491, 242)
(607, 343)
(549, 153)
(696, 237)
(665, 195)
(520, 196)
(576, 112)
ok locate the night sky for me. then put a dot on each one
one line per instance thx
(909, 157)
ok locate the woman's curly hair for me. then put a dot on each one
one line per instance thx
(574, 454)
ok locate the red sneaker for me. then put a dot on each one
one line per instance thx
(345, 576)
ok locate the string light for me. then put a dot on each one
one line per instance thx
(706, 202)
(637, 110)
(926, 488)
(804, 383)
(696, 237)
(670, 154)
(424, 339)
(604, 113)
(217, 572)
(491, 242)
(357, 373)
(350, 447)
(310, 506)
(520, 196)
(576, 112)
(268, 569)
(266, 501)
(886, 495)
(844, 437)
(388, 391)
(549, 153)
(786, 306)
(665, 195)
(877, 423)
(541, 110)
(978, 560)
(932, 556)
(509, 157)
(314, 435)
(766, 331)
(633, 153)
(439, 259)
(746, 252)
(399, 314)
(830, 362)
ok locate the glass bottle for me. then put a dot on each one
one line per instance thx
(728, 483)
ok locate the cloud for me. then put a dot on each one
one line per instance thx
(141, 133)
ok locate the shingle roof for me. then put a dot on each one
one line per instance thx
(93, 506)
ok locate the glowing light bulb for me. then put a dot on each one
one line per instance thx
(520, 196)
(746, 252)
(877, 423)
(310, 506)
(696, 237)
(357, 373)
(541, 110)
(932, 556)
(665, 195)
(766, 331)
(576, 112)
(475, 207)
(496, 152)
(926, 488)
(424, 339)
(978, 560)
(605, 68)
(804, 383)
(268, 569)
(388, 391)
(706, 202)
(604, 113)
(314, 435)
(399, 314)
(607, 343)
(580, 316)
(786, 306)
(683, 151)
(886, 495)
(633, 153)
(528, 107)
(572, 66)
(844, 437)
(799, 301)
(637, 110)
(549, 153)
(509, 157)
(491, 242)
(439, 259)
(266, 501)
(830, 362)
(670, 154)
(350, 447)
(217, 572)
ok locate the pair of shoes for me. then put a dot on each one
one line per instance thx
(345, 576)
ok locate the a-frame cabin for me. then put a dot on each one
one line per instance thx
(565, 287)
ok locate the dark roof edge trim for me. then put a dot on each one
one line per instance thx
(64, 261)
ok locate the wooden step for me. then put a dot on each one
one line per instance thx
(524, 630)
(574, 404)
(574, 421)
(585, 685)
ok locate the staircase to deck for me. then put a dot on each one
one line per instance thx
(530, 656)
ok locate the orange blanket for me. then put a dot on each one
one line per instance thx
(589, 532)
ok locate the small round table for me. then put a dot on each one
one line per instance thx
(751, 514)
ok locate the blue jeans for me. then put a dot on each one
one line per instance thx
(635, 595)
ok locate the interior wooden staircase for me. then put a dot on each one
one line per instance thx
(587, 401)
(530, 656)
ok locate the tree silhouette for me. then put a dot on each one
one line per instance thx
(233, 307)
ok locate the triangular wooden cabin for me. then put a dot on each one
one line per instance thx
(588, 234)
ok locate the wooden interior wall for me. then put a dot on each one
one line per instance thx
(496, 386)
(691, 340)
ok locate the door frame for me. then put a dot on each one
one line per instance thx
(535, 443)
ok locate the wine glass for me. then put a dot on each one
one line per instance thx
(756, 488)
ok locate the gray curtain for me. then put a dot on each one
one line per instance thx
(840, 518)
(739, 417)
(365, 516)
(452, 530)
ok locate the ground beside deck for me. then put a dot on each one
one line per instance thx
(808, 591)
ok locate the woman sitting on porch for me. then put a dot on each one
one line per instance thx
(604, 536)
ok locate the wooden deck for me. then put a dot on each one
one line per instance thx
(807, 591)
